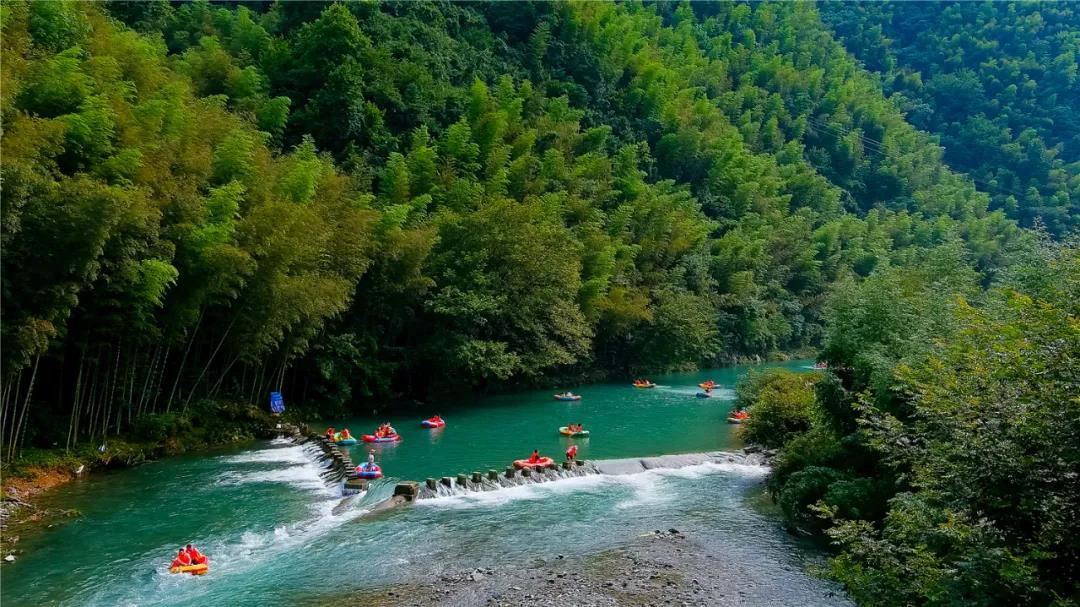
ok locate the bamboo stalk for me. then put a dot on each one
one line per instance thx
(180, 371)
(73, 433)
(4, 430)
(26, 405)
(146, 381)
(160, 377)
(213, 354)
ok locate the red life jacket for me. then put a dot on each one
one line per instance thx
(572, 451)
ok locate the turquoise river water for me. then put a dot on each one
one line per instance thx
(276, 532)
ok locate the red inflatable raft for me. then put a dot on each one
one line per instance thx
(543, 462)
(433, 423)
(371, 438)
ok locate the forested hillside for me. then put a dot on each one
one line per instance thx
(996, 81)
(939, 452)
(354, 201)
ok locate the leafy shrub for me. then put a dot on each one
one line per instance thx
(780, 403)
(160, 426)
(804, 488)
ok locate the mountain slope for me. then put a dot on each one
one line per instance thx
(996, 81)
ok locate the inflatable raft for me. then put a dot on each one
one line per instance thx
(645, 386)
(543, 462)
(570, 398)
(433, 423)
(200, 569)
(373, 472)
(345, 441)
(371, 438)
(580, 434)
(707, 384)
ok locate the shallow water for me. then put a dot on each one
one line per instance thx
(274, 530)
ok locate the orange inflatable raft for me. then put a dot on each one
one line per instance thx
(543, 462)
(200, 569)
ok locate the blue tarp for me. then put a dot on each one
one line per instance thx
(277, 403)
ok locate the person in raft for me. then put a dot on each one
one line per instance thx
(182, 559)
(535, 457)
(571, 453)
(330, 432)
(197, 558)
(371, 459)
(345, 434)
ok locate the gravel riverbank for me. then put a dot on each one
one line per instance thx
(660, 568)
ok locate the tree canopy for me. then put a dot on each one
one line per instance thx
(995, 81)
(350, 201)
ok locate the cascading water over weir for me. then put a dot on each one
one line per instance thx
(340, 469)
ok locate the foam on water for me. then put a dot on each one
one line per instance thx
(646, 486)
(506, 495)
(291, 465)
(235, 556)
(292, 454)
(245, 551)
(304, 476)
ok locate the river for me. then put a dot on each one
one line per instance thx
(276, 532)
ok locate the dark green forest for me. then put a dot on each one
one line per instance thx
(355, 202)
(358, 201)
(997, 82)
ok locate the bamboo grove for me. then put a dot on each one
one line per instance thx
(346, 202)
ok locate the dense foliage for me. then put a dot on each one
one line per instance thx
(997, 82)
(363, 200)
(783, 404)
(943, 449)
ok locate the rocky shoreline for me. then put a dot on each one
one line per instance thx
(665, 567)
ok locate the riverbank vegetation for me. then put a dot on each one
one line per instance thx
(940, 453)
(207, 424)
(346, 202)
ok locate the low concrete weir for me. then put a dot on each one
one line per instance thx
(340, 468)
(475, 481)
(493, 479)
(641, 464)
